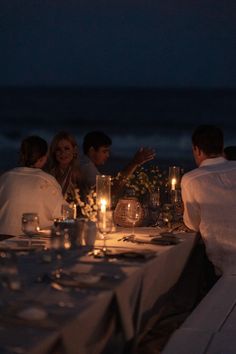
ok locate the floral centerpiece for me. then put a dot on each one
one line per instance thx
(138, 189)
(87, 208)
(144, 181)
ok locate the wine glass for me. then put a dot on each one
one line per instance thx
(154, 206)
(9, 272)
(30, 224)
(167, 214)
(104, 225)
(60, 242)
(133, 214)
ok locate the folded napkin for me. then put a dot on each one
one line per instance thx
(165, 240)
(141, 255)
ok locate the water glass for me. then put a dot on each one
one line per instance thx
(30, 224)
(90, 232)
(9, 274)
(68, 211)
(167, 214)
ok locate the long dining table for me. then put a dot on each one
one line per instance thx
(78, 301)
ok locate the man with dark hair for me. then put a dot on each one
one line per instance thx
(209, 197)
(96, 147)
(95, 140)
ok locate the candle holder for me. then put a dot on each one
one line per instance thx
(103, 201)
(103, 192)
(174, 177)
(174, 181)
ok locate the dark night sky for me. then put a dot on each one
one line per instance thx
(139, 43)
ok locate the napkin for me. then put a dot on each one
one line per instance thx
(141, 255)
(165, 240)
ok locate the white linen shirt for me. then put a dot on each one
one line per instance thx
(26, 190)
(209, 197)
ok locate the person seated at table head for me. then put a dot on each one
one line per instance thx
(230, 152)
(96, 149)
(63, 163)
(28, 189)
(208, 194)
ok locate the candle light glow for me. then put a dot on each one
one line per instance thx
(173, 183)
(103, 204)
(103, 212)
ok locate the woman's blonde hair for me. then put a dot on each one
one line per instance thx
(63, 135)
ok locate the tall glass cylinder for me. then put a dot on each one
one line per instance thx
(103, 192)
(174, 177)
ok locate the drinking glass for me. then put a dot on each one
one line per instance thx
(9, 272)
(154, 205)
(167, 214)
(68, 211)
(133, 214)
(60, 243)
(30, 224)
(104, 225)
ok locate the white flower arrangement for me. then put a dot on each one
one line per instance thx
(145, 180)
(88, 208)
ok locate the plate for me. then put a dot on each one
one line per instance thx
(20, 246)
(32, 313)
(78, 280)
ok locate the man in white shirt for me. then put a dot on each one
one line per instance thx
(209, 198)
(28, 189)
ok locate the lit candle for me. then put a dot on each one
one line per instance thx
(103, 205)
(103, 212)
(173, 184)
(74, 211)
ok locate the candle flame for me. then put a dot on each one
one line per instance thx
(173, 183)
(103, 205)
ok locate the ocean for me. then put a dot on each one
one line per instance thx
(159, 118)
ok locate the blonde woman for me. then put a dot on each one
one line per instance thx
(64, 163)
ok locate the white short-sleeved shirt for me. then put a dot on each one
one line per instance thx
(26, 189)
(209, 197)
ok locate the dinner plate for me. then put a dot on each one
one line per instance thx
(20, 246)
(42, 233)
(32, 313)
(79, 280)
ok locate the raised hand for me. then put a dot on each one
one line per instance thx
(144, 155)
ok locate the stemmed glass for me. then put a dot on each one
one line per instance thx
(133, 214)
(9, 272)
(104, 225)
(30, 224)
(60, 242)
(154, 205)
(167, 214)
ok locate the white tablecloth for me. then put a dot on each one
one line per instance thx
(82, 320)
